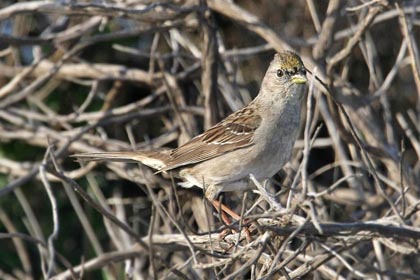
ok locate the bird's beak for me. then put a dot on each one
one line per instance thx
(299, 79)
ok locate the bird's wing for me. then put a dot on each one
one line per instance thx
(234, 132)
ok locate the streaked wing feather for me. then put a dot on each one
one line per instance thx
(235, 132)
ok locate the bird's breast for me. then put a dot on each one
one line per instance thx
(276, 141)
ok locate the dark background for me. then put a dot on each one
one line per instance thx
(111, 76)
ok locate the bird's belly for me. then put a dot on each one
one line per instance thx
(238, 167)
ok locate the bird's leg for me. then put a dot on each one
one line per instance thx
(226, 210)
(211, 192)
(223, 210)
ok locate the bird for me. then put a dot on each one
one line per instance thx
(257, 139)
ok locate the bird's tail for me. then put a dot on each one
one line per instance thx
(154, 159)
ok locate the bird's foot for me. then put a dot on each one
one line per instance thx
(224, 211)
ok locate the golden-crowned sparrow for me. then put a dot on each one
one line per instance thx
(258, 139)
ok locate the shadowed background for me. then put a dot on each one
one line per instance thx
(123, 75)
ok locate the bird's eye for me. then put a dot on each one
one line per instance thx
(303, 71)
(279, 73)
(295, 70)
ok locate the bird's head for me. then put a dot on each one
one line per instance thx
(285, 77)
